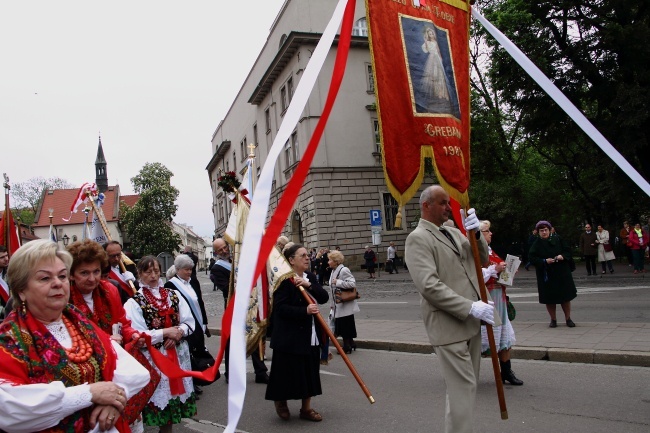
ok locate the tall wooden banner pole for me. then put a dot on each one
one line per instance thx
(107, 233)
(471, 235)
(331, 336)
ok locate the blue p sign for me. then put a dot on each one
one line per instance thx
(375, 217)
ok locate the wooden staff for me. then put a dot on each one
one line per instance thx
(493, 351)
(107, 233)
(347, 361)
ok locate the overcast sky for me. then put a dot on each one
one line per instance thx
(155, 78)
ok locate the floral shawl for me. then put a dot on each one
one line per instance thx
(31, 354)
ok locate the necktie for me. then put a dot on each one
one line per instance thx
(448, 235)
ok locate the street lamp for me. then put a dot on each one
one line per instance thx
(65, 239)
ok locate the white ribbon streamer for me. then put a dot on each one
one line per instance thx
(563, 102)
(257, 217)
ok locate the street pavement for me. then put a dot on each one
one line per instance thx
(589, 342)
(597, 383)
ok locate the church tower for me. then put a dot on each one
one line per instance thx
(101, 178)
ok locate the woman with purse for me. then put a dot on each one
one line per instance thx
(605, 250)
(342, 282)
(551, 257)
(295, 367)
(504, 334)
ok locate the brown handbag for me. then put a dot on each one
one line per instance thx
(346, 295)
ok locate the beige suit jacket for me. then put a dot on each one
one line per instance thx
(446, 279)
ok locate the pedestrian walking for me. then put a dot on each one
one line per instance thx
(605, 251)
(589, 249)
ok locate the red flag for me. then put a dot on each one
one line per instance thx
(9, 236)
(421, 65)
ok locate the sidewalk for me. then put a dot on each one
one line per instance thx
(597, 343)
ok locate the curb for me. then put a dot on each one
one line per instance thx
(584, 356)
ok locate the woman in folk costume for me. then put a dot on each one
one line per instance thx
(99, 300)
(504, 335)
(60, 372)
(165, 316)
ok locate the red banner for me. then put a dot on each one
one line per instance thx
(9, 234)
(420, 58)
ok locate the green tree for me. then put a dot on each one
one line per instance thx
(595, 52)
(529, 160)
(148, 224)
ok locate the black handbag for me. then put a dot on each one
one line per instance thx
(202, 360)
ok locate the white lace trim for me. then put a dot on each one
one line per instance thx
(60, 332)
(78, 397)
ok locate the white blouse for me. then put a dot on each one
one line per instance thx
(35, 407)
(134, 314)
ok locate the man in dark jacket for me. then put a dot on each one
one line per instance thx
(589, 249)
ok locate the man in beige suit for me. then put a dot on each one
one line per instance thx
(442, 267)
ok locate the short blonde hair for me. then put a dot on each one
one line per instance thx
(171, 272)
(484, 225)
(336, 256)
(24, 261)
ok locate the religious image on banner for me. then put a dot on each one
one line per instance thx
(430, 68)
(420, 62)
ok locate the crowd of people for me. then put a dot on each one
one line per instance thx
(76, 336)
(78, 325)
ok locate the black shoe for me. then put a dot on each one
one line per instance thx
(589, 274)
(553, 324)
(198, 390)
(611, 271)
(570, 323)
(347, 349)
(508, 375)
(262, 378)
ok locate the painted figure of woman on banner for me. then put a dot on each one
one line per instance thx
(429, 66)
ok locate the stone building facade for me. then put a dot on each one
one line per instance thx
(346, 178)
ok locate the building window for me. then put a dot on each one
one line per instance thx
(227, 165)
(390, 211)
(360, 28)
(267, 119)
(220, 212)
(290, 88)
(243, 149)
(234, 161)
(287, 154)
(370, 79)
(283, 98)
(294, 144)
(375, 125)
(255, 138)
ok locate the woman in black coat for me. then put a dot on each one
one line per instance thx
(551, 257)
(295, 367)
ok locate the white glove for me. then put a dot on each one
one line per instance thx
(470, 221)
(483, 311)
(128, 276)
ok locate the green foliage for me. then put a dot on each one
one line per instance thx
(148, 224)
(28, 194)
(530, 161)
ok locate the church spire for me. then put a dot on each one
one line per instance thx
(101, 177)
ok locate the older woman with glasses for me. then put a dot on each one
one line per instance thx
(165, 316)
(504, 335)
(295, 339)
(551, 257)
(59, 372)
